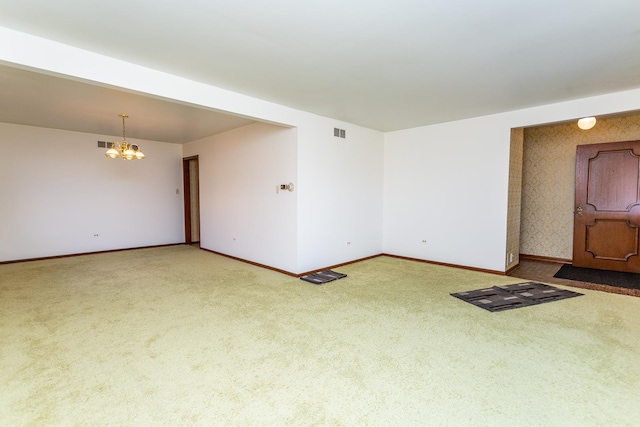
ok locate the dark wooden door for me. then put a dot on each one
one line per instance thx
(607, 215)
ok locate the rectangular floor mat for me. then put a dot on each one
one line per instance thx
(322, 277)
(500, 298)
(601, 277)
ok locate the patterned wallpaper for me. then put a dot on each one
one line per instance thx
(515, 196)
(548, 180)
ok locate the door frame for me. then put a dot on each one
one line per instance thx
(186, 181)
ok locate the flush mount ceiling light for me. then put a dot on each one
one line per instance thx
(123, 149)
(587, 123)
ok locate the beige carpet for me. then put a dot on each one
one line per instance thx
(192, 338)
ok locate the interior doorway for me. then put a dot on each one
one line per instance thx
(191, 191)
(548, 182)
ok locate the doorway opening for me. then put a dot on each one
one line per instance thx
(191, 182)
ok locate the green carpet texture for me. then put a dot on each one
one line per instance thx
(177, 336)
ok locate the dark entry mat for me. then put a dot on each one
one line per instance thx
(500, 298)
(601, 277)
(322, 277)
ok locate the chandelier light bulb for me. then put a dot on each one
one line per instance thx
(129, 154)
(112, 153)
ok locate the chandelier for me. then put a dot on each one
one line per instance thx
(123, 149)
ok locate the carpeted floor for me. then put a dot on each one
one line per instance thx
(186, 337)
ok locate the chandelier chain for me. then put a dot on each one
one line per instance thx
(124, 132)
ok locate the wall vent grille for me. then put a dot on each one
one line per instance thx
(339, 133)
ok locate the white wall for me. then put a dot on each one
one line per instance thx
(58, 190)
(345, 178)
(337, 195)
(241, 214)
(448, 183)
(341, 194)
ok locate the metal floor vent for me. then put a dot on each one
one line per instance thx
(339, 133)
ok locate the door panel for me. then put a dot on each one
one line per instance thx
(607, 215)
(618, 170)
(620, 249)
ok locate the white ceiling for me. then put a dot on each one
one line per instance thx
(385, 65)
(36, 99)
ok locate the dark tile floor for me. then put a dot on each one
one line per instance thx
(543, 271)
